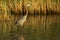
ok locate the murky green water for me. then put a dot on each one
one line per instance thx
(38, 27)
(43, 28)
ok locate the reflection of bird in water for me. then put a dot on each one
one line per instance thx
(23, 18)
(22, 37)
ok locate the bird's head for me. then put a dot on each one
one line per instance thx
(27, 6)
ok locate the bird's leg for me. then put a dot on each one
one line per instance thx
(17, 32)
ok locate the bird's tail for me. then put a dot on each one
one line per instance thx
(15, 27)
(15, 24)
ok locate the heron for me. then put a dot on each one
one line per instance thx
(21, 20)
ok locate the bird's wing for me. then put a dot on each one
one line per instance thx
(20, 20)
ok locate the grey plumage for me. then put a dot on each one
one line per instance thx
(23, 18)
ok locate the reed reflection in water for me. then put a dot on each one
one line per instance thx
(36, 27)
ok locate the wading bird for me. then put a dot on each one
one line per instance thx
(21, 22)
(23, 18)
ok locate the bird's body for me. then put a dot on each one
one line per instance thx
(21, 20)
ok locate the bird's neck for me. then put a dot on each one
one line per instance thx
(26, 13)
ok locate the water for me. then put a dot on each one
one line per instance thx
(38, 27)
